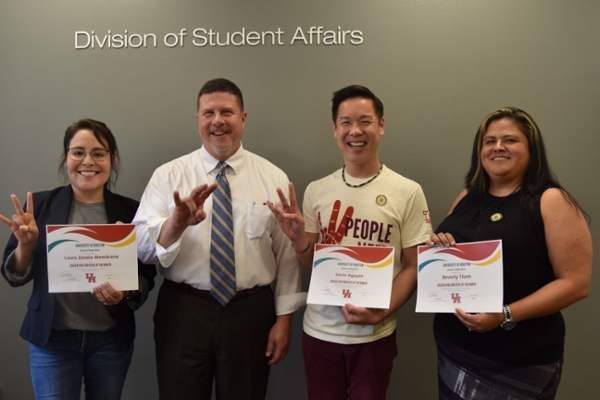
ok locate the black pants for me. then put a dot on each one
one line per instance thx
(198, 341)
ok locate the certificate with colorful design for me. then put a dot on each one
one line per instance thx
(468, 276)
(359, 275)
(82, 256)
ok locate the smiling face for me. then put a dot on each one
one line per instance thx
(357, 130)
(220, 123)
(505, 153)
(88, 176)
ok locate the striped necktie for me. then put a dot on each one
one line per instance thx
(222, 258)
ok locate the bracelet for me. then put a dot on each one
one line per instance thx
(384, 317)
(305, 250)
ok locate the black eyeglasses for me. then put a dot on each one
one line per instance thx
(78, 154)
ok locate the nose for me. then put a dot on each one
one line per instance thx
(355, 129)
(217, 119)
(87, 158)
(499, 145)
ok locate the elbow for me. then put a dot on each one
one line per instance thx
(582, 291)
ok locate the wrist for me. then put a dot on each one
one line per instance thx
(284, 319)
(126, 294)
(129, 295)
(302, 248)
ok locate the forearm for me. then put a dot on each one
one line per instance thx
(22, 259)
(549, 299)
(403, 287)
(304, 246)
(169, 233)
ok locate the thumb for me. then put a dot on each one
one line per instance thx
(270, 347)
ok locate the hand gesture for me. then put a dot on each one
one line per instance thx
(288, 214)
(331, 235)
(23, 223)
(190, 210)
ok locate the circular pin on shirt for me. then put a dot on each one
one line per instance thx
(381, 200)
(496, 217)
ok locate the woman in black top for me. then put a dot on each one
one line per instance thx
(512, 195)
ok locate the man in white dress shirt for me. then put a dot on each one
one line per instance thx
(198, 340)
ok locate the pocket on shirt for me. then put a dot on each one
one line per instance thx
(260, 222)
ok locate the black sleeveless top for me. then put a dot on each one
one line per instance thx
(527, 268)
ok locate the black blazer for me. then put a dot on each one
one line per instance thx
(53, 207)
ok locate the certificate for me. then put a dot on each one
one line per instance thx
(468, 276)
(82, 256)
(359, 275)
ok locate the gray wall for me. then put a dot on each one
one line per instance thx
(438, 66)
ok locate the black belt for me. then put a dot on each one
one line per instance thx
(205, 294)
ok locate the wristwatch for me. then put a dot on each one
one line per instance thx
(508, 323)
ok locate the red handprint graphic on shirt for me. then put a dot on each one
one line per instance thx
(331, 235)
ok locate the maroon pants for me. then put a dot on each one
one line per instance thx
(348, 371)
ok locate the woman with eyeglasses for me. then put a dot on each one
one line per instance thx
(75, 337)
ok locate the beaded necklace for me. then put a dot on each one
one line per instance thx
(364, 183)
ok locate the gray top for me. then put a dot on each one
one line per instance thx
(82, 311)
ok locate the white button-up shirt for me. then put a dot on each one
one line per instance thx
(263, 253)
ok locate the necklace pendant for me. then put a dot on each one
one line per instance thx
(496, 217)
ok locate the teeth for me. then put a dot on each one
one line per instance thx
(218, 133)
(87, 173)
(357, 144)
(500, 158)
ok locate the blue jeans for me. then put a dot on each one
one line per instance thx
(100, 359)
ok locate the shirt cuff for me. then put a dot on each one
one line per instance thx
(167, 256)
(288, 303)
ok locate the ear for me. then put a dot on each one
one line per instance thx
(381, 126)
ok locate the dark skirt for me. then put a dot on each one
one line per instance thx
(477, 378)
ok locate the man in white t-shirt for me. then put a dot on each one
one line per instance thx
(349, 351)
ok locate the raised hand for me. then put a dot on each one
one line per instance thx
(288, 214)
(190, 210)
(23, 223)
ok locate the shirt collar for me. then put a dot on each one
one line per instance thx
(235, 162)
